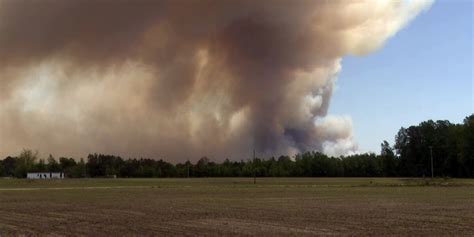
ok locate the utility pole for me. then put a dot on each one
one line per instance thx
(254, 169)
(431, 152)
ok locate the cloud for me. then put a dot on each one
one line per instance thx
(182, 79)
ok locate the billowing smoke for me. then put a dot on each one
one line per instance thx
(179, 79)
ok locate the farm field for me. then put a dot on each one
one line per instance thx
(235, 206)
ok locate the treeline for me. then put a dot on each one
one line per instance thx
(450, 145)
(99, 165)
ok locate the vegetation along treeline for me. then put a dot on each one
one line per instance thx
(452, 147)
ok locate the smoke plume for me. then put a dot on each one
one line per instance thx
(180, 79)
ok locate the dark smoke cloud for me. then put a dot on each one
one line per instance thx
(180, 79)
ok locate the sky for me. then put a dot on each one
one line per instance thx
(423, 72)
(180, 80)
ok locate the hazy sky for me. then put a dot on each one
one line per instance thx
(182, 79)
(423, 72)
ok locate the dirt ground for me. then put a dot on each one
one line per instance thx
(236, 207)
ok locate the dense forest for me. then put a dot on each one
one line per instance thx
(450, 145)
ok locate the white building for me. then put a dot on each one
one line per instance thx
(45, 175)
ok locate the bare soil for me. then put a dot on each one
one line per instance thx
(236, 207)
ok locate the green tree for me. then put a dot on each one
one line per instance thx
(41, 166)
(78, 171)
(9, 166)
(53, 165)
(202, 167)
(25, 162)
(467, 146)
(68, 166)
(389, 161)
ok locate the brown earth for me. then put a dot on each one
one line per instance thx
(273, 207)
